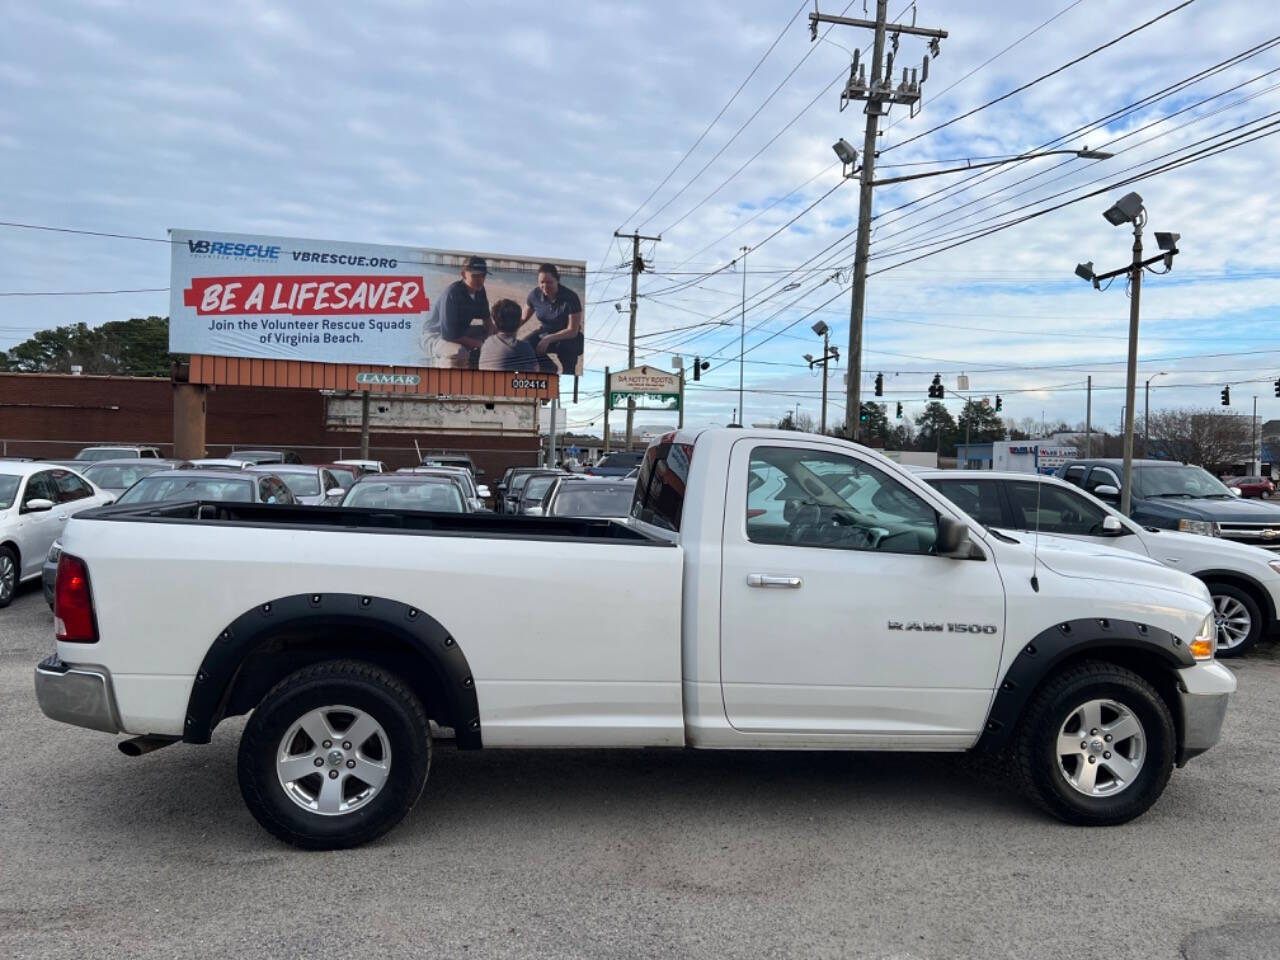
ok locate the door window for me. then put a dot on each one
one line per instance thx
(70, 487)
(980, 499)
(811, 498)
(1100, 477)
(1076, 475)
(1059, 511)
(40, 486)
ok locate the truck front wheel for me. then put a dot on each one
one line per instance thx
(335, 755)
(1096, 745)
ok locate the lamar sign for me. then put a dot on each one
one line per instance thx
(644, 384)
(385, 379)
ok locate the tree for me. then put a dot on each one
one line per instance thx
(138, 347)
(875, 428)
(983, 423)
(937, 430)
(1205, 438)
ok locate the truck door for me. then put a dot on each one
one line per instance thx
(837, 616)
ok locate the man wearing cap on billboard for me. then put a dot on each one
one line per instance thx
(458, 323)
(559, 313)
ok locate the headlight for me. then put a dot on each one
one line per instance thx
(55, 552)
(1206, 528)
(1274, 565)
(1206, 641)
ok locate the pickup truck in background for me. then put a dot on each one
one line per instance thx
(772, 590)
(1243, 580)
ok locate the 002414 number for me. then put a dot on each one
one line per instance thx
(527, 383)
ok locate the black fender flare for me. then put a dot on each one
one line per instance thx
(1049, 648)
(416, 629)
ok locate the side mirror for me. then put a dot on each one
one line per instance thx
(37, 505)
(533, 511)
(953, 539)
(482, 492)
(1106, 492)
(335, 492)
(1235, 491)
(1112, 525)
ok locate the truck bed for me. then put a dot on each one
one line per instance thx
(365, 520)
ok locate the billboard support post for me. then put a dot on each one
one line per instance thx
(364, 424)
(606, 409)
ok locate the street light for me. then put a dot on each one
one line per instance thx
(828, 354)
(1146, 415)
(1130, 209)
(1085, 154)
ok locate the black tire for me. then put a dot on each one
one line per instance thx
(9, 586)
(363, 687)
(1265, 494)
(1226, 590)
(1036, 763)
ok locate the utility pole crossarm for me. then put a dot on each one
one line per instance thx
(1136, 266)
(817, 18)
(985, 163)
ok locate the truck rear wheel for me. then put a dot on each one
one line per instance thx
(334, 756)
(1096, 745)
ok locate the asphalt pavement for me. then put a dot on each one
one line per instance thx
(629, 853)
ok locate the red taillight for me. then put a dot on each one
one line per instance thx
(73, 619)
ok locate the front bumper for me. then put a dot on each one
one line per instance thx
(1203, 692)
(81, 696)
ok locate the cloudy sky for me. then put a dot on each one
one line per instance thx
(540, 129)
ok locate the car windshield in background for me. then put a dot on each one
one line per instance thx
(621, 460)
(436, 497)
(150, 489)
(344, 479)
(302, 484)
(106, 453)
(594, 500)
(1177, 481)
(8, 489)
(118, 478)
(537, 486)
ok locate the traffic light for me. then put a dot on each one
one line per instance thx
(879, 384)
(999, 403)
(899, 409)
(862, 413)
(935, 389)
(1226, 396)
(1277, 386)
(698, 366)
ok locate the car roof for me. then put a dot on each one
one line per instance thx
(281, 468)
(939, 474)
(134, 461)
(212, 473)
(369, 478)
(21, 468)
(595, 481)
(1118, 462)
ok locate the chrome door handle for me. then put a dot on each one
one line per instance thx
(62, 516)
(765, 580)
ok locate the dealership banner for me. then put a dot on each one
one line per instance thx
(282, 298)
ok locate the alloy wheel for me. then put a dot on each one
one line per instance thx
(1101, 748)
(333, 760)
(1233, 621)
(8, 577)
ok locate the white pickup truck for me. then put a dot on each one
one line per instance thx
(772, 590)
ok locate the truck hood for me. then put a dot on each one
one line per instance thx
(1081, 560)
(1228, 550)
(1203, 508)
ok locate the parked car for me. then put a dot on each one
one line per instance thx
(117, 476)
(364, 466)
(509, 492)
(224, 463)
(532, 492)
(117, 453)
(265, 456)
(452, 460)
(36, 500)
(309, 484)
(616, 464)
(400, 491)
(478, 494)
(344, 473)
(1243, 580)
(1093, 669)
(1260, 487)
(235, 486)
(1174, 496)
(579, 496)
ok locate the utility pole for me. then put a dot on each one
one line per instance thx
(680, 422)
(742, 337)
(1131, 374)
(637, 267)
(551, 437)
(1256, 467)
(1088, 418)
(607, 403)
(364, 424)
(880, 94)
(826, 351)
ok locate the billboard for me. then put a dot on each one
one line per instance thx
(281, 298)
(644, 385)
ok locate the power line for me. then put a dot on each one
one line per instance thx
(79, 293)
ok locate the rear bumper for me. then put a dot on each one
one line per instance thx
(1203, 692)
(81, 696)
(48, 577)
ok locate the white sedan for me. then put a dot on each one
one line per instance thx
(36, 499)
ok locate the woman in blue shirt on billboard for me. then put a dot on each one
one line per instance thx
(559, 313)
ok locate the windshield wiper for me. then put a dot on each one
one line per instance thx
(1189, 496)
(998, 535)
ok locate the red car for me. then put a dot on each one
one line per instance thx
(1253, 486)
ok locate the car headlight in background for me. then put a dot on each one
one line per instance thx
(55, 552)
(1274, 565)
(1206, 641)
(1206, 528)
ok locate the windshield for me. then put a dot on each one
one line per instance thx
(106, 453)
(1177, 480)
(119, 478)
(344, 479)
(621, 460)
(302, 484)
(537, 487)
(8, 489)
(440, 497)
(594, 500)
(150, 489)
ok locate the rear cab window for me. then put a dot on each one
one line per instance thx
(980, 499)
(1075, 475)
(660, 488)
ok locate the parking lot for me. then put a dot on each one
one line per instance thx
(636, 854)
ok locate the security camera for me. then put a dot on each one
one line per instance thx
(1125, 210)
(1085, 270)
(1167, 241)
